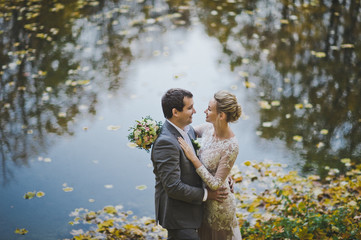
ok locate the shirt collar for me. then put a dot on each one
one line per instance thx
(181, 131)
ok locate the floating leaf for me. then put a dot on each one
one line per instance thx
(68, 189)
(264, 104)
(347, 45)
(113, 128)
(247, 163)
(287, 80)
(105, 225)
(29, 195)
(243, 74)
(156, 53)
(141, 187)
(298, 138)
(40, 194)
(21, 231)
(313, 177)
(299, 106)
(77, 232)
(110, 209)
(318, 54)
(248, 84)
(320, 144)
(324, 131)
(108, 186)
(267, 124)
(345, 160)
(275, 103)
(308, 105)
(245, 60)
(82, 82)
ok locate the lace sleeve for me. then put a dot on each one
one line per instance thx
(200, 129)
(225, 165)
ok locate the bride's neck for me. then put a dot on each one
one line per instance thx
(221, 130)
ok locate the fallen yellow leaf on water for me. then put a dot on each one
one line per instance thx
(243, 74)
(308, 105)
(320, 144)
(267, 124)
(287, 80)
(82, 82)
(347, 45)
(110, 209)
(22, 231)
(319, 54)
(324, 131)
(264, 104)
(68, 189)
(113, 127)
(247, 163)
(275, 103)
(298, 138)
(299, 106)
(131, 145)
(346, 160)
(40, 194)
(29, 195)
(248, 84)
(141, 187)
(313, 177)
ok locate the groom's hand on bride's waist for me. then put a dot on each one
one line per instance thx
(219, 195)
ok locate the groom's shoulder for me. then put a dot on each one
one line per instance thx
(165, 136)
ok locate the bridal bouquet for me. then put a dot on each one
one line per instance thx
(144, 133)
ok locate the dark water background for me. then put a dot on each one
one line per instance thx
(76, 74)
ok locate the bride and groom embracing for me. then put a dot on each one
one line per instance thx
(193, 197)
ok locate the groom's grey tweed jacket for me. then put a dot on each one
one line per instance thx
(178, 188)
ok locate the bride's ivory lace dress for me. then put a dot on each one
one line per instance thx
(218, 157)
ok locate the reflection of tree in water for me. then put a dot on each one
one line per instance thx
(57, 58)
(299, 53)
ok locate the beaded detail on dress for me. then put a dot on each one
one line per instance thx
(218, 157)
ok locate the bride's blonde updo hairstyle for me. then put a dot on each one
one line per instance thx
(227, 103)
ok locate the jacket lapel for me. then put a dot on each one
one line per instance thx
(176, 133)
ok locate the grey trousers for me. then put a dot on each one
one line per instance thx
(183, 234)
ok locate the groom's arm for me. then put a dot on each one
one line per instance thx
(166, 157)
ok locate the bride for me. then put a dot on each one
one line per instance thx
(217, 155)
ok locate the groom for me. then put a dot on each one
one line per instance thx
(179, 191)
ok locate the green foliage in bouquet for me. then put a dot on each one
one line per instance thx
(144, 132)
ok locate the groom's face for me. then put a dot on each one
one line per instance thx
(185, 117)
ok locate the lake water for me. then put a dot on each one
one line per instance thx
(76, 75)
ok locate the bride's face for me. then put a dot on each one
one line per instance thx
(211, 111)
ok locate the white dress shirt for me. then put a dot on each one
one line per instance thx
(186, 137)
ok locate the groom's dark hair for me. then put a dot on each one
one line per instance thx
(173, 98)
